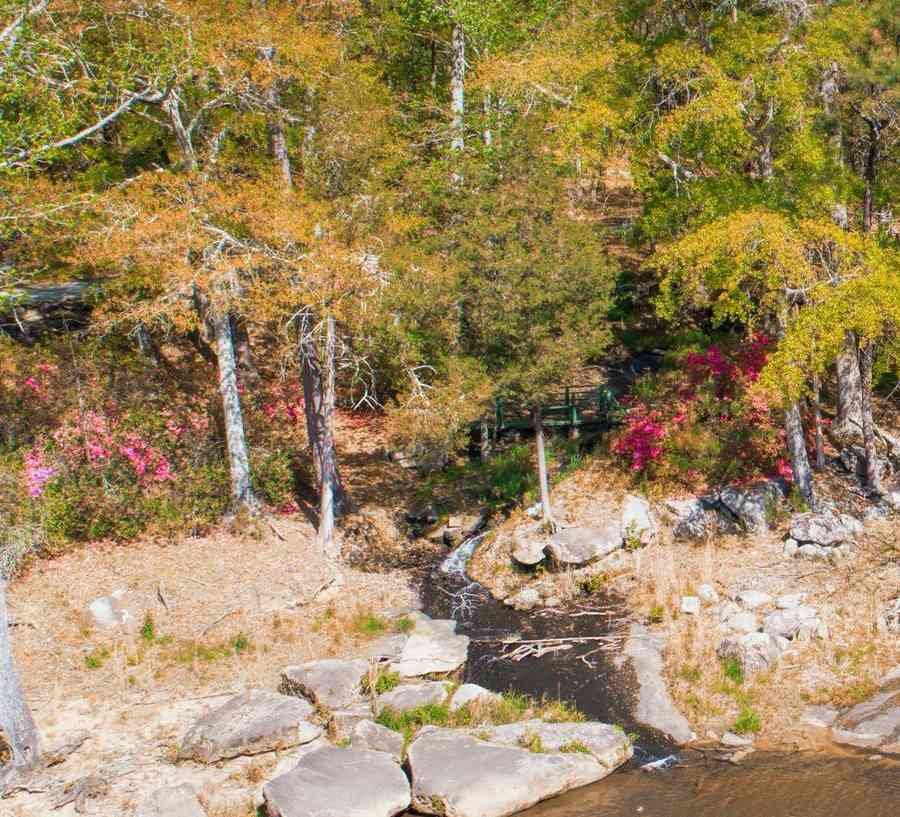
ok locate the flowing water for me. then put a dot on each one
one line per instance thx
(600, 684)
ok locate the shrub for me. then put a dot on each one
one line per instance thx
(747, 722)
(733, 670)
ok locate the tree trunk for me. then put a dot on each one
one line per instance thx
(484, 440)
(172, 108)
(546, 512)
(238, 457)
(457, 86)
(866, 363)
(16, 721)
(315, 408)
(277, 139)
(244, 352)
(328, 481)
(817, 420)
(849, 390)
(486, 108)
(870, 176)
(793, 426)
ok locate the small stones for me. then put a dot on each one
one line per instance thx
(690, 605)
(708, 594)
(526, 599)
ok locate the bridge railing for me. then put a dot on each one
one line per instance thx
(572, 408)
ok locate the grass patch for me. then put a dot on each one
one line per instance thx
(148, 628)
(96, 658)
(690, 673)
(733, 671)
(369, 624)
(748, 721)
(575, 746)
(404, 625)
(657, 614)
(594, 584)
(532, 742)
(385, 681)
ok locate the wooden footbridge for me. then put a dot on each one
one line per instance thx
(572, 410)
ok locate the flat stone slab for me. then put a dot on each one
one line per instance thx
(459, 775)
(608, 745)
(171, 801)
(433, 647)
(581, 546)
(824, 529)
(332, 782)
(332, 683)
(655, 706)
(875, 723)
(377, 738)
(412, 696)
(251, 723)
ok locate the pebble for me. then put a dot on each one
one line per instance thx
(708, 593)
(790, 601)
(751, 599)
(690, 605)
(790, 548)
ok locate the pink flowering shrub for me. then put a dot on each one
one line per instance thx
(702, 422)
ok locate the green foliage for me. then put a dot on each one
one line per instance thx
(657, 614)
(748, 721)
(385, 681)
(369, 624)
(733, 670)
(575, 746)
(148, 628)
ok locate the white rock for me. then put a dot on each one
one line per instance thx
(107, 612)
(171, 801)
(734, 741)
(790, 548)
(526, 599)
(580, 546)
(433, 647)
(708, 594)
(638, 520)
(413, 696)
(790, 601)
(754, 651)
(744, 622)
(813, 552)
(690, 605)
(751, 599)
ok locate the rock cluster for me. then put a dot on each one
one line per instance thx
(822, 535)
(488, 772)
(577, 546)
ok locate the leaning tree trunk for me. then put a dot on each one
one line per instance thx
(546, 513)
(322, 446)
(277, 138)
(849, 391)
(238, 457)
(457, 86)
(793, 426)
(866, 364)
(15, 717)
(328, 481)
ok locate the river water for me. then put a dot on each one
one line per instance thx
(601, 686)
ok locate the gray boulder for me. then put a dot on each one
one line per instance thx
(697, 518)
(412, 696)
(751, 599)
(386, 648)
(331, 683)
(339, 782)
(752, 506)
(822, 529)
(529, 543)
(580, 546)
(253, 722)
(790, 623)
(654, 706)
(743, 622)
(344, 721)
(377, 738)
(456, 774)
(638, 520)
(171, 801)
(875, 723)
(790, 601)
(754, 651)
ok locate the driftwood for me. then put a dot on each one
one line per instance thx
(30, 310)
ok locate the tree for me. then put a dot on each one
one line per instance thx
(15, 717)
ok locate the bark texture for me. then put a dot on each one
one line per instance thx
(328, 482)
(866, 363)
(16, 721)
(238, 456)
(457, 86)
(793, 426)
(849, 391)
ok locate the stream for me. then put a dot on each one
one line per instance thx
(600, 684)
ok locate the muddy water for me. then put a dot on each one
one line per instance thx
(763, 785)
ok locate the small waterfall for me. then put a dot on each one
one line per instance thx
(457, 562)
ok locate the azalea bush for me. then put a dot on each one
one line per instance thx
(93, 450)
(703, 421)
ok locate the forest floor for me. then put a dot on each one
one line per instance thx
(849, 596)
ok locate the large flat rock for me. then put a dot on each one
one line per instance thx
(332, 683)
(581, 546)
(253, 722)
(529, 543)
(413, 696)
(370, 735)
(605, 743)
(458, 775)
(332, 782)
(875, 723)
(654, 706)
(433, 647)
